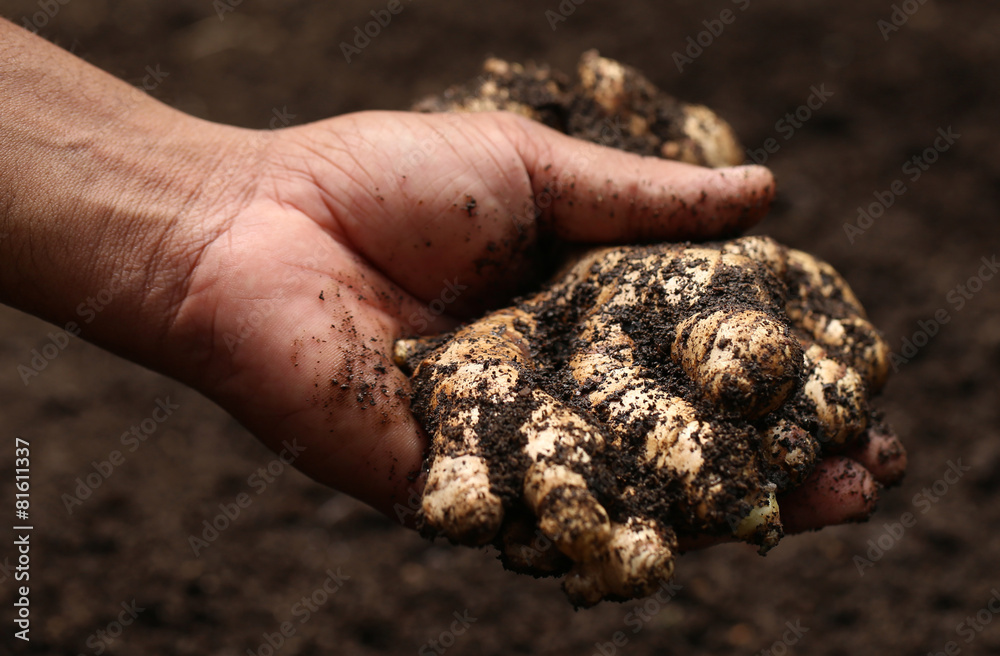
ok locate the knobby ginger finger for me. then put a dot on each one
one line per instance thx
(555, 486)
(743, 360)
(674, 436)
(790, 450)
(837, 396)
(824, 306)
(637, 559)
(459, 501)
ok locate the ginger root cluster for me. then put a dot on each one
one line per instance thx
(646, 391)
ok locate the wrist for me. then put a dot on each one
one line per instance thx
(106, 196)
(172, 188)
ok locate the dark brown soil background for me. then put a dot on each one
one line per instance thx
(130, 539)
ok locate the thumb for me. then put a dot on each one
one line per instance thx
(592, 193)
(458, 198)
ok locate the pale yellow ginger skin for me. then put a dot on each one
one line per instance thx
(795, 336)
(790, 449)
(707, 141)
(870, 361)
(638, 556)
(578, 525)
(752, 357)
(717, 351)
(840, 421)
(457, 495)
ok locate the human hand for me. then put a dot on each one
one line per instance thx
(218, 242)
(329, 213)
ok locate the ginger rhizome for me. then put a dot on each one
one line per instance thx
(646, 392)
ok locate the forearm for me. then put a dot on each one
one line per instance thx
(102, 194)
